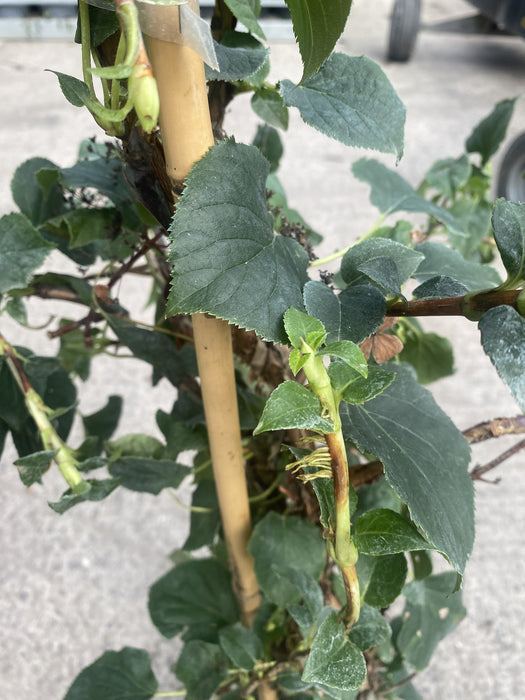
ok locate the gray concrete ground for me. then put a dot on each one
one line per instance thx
(73, 586)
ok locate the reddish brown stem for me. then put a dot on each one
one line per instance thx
(126, 267)
(480, 470)
(454, 306)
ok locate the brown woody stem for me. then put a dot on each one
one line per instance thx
(480, 470)
(468, 305)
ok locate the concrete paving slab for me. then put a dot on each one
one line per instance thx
(73, 586)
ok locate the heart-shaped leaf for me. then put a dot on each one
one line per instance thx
(226, 259)
(334, 660)
(351, 100)
(292, 405)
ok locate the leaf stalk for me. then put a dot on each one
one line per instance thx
(38, 410)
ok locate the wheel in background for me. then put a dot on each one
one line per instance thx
(511, 178)
(404, 27)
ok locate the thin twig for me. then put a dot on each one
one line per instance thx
(150, 243)
(74, 325)
(455, 306)
(480, 470)
(45, 291)
(397, 686)
(495, 428)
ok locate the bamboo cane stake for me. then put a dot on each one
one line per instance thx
(187, 135)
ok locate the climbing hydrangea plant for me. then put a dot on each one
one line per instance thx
(349, 488)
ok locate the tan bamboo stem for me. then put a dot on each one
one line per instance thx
(187, 135)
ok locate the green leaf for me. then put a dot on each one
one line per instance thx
(381, 579)
(449, 174)
(384, 272)
(334, 660)
(490, 132)
(391, 193)
(440, 260)
(421, 564)
(54, 386)
(89, 464)
(429, 354)
(31, 197)
(242, 645)
(158, 349)
(31, 467)
(367, 260)
(116, 675)
(290, 682)
(135, 445)
(247, 12)
(4, 429)
(406, 430)
(370, 630)
(439, 287)
(306, 614)
(299, 326)
(86, 226)
(351, 100)
(378, 495)
(317, 26)
(324, 492)
(100, 489)
(384, 531)
(74, 90)
(353, 388)
(398, 676)
(268, 142)
(149, 475)
(111, 177)
(201, 667)
(280, 543)
(323, 691)
(432, 611)
(236, 62)
(74, 355)
(269, 106)
(16, 308)
(292, 405)
(503, 339)
(103, 423)
(233, 265)
(195, 596)
(399, 232)
(508, 221)
(350, 353)
(250, 408)
(203, 525)
(473, 226)
(184, 428)
(103, 22)
(22, 251)
(354, 314)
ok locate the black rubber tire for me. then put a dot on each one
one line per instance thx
(404, 26)
(511, 177)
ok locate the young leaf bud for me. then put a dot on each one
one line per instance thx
(144, 95)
